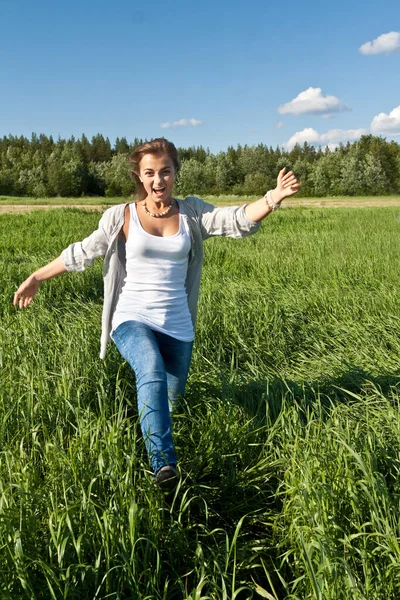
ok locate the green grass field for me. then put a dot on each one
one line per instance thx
(289, 436)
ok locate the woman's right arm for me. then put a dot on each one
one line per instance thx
(27, 290)
(76, 257)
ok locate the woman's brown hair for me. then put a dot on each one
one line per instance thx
(156, 146)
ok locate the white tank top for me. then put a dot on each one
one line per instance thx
(154, 289)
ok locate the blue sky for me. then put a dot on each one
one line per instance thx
(214, 73)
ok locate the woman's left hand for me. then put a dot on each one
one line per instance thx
(287, 184)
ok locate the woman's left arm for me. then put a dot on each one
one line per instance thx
(286, 185)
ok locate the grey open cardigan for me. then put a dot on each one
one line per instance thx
(204, 220)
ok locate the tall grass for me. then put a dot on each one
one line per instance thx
(288, 438)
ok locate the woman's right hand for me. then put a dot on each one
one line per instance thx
(26, 292)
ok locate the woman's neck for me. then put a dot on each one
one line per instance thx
(155, 206)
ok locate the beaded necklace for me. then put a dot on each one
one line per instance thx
(157, 215)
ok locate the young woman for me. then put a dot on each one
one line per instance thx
(153, 255)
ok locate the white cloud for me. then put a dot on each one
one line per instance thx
(182, 123)
(306, 135)
(279, 125)
(333, 136)
(384, 123)
(312, 101)
(385, 43)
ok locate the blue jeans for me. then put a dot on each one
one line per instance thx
(161, 366)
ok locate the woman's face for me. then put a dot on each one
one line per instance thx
(157, 173)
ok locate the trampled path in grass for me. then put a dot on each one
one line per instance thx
(10, 204)
(288, 438)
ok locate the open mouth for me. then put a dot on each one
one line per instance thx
(159, 191)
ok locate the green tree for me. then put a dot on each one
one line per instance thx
(352, 175)
(375, 181)
(226, 174)
(254, 185)
(320, 179)
(96, 185)
(100, 149)
(302, 169)
(67, 175)
(84, 149)
(6, 182)
(283, 161)
(121, 146)
(325, 174)
(40, 166)
(31, 182)
(191, 178)
(116, 176)
(210, 174)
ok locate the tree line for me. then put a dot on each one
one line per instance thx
(43, 167)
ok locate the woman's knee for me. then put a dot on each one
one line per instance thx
(153, 377)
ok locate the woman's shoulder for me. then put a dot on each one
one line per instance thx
(193, 200)
(116, 209)
(114, 213)
(192, 205)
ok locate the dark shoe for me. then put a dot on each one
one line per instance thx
(167, 478)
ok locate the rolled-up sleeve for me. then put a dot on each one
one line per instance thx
(79, 255)
(230, 221)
